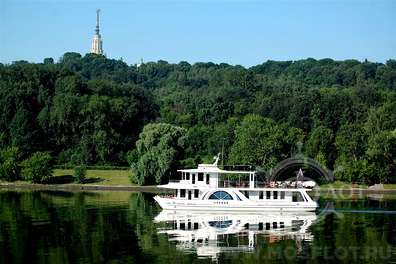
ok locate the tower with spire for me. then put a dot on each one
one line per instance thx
(97, 39)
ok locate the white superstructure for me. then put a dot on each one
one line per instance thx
(210, 188)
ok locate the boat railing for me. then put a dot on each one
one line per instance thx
(258, 184)
(238, 167)
(233, 184)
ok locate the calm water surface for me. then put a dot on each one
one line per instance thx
(124, 227)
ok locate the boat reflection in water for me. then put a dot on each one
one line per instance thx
(209, 234)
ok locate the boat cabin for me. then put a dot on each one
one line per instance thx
(209, 175)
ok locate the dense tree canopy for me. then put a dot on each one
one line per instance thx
(91, 109)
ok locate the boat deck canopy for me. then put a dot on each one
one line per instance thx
(174, 185)
(215, 170)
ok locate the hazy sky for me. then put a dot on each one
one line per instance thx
(231, 31)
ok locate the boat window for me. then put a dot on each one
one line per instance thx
(220, 195)
(182, 226)
(275, 225)
(182, 193)
(207, 178)
(268, 195)
(275, 194)
(187, 176)
(267, 226)
(282, 195)
(200, 176)
(193, 178)
(195, 225)
(261, 195)
(196, 193)
(246, 193)
(297, 197)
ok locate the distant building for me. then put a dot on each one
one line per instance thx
(140, 64)
(97, 44)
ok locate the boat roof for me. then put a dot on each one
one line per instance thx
(212, 168)
(175, 185)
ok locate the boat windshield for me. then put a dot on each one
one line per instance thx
(220, 195)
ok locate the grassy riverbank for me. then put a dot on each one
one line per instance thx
(96, 180)
(343, 185)
(347, 186)
(94, 177)
(63, 179)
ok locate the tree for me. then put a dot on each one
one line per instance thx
(79, 173)
(381, 118)
(258, 141)
(9, 163)
(351, 163)
(292, 137)
(160, 147)
(37, 168)
(351, 170)
(381, 153)
(351, 141)
(320, 144)
(222, 139)
(48, 61)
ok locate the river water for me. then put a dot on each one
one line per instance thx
(125, 227)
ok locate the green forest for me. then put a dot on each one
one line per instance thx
(94, 110)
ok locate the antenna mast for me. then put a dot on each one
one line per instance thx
(222, 155)
(97, 21)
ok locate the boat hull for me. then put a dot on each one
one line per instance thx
(209, 205)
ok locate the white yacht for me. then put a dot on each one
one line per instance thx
(210, 188)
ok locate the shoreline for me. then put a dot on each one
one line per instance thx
(355, 191)
(78, 187)
(153, 189)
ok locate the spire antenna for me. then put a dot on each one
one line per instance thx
(97, 21)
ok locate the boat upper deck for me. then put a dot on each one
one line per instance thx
(207, 176)
(177, 185)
